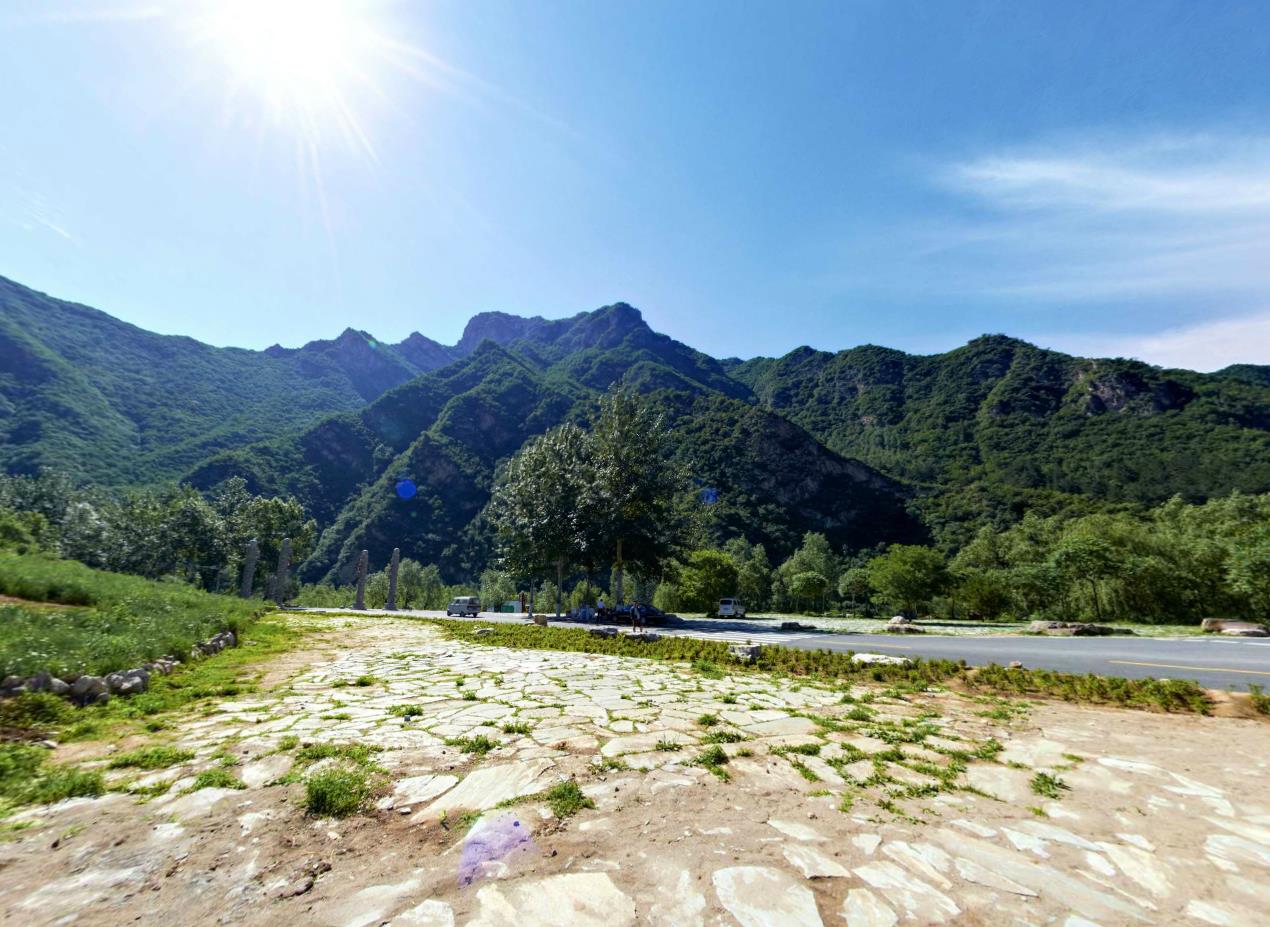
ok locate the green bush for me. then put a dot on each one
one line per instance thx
(337, 793)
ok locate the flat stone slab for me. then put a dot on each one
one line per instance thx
(1007, 784)
(430, 913)
(490, 785)
(760, 896)
(813, 864)
(415, 790)
(369, 906)
(783, 727)
(862, 908)
(644, 743)
(796, 830)
(582, 899)
(265, 770)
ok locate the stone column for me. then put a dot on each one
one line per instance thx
(250, 560)
(363, 564)
(393, 565)
(283, 578)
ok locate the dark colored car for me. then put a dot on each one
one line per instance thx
(619, 614)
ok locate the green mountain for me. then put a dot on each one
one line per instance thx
(1000, 425)
(447, 431)
(105, 401)
(866, 445)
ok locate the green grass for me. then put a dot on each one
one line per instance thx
(1048, 786)
(517, 727)
(708, 668)
(26, 778)
(116, 621)
(667, 746)
(713, 759)
(1172, 695)
(1259, 700)
(406, 711)
(216, 778)
(480, 744)
(708, 720)
(365, 680)
(230, 672)
(156, 757)
(360, 754)
(566, 799)
(724, 736)
(337, 793)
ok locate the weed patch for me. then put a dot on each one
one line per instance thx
(158, 757)
(337, 793)
(1048, 786)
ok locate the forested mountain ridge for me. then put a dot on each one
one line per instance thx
(447, 431)
(999, 424)
(858, 444)
(106, 401)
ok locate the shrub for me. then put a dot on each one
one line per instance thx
(566, 799)
(337, 793)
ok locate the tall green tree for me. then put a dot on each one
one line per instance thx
(908, 576)
(1086, 559)
(706, 577)
(543, 501)
(633, 514)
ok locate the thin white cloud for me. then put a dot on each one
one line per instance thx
(1167, 223)
(1202, 346)
(1194, 176)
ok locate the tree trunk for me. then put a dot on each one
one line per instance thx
(618, 592)
(1093, 587)
(559, 584)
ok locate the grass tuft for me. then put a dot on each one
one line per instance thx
(158, 757)
(337, 793)
(1048, 786)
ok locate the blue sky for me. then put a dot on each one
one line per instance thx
(754, 176)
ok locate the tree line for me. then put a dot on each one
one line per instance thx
(157, 532)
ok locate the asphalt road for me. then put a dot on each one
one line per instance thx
(1212, 661)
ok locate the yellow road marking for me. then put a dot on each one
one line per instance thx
(1207, 669)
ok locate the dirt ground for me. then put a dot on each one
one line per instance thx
(1156, 819)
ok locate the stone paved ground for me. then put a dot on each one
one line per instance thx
(1162, 820)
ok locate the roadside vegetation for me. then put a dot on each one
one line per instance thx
(77, 620)
(1169, 695)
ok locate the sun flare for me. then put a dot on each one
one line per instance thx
(301, 54)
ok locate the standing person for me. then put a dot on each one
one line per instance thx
(599, 610)
(637, 616)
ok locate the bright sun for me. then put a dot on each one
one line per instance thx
(296, 54)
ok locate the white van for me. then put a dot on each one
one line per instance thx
(731, 608)
(464, 605)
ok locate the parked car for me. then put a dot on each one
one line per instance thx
(622, 613)
(464, 605)
(731, 608)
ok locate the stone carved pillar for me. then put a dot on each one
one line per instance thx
(393, 566)
(283, 578)
(363, 565)
(250, 560)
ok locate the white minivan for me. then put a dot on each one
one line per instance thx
(464, 605)
(731, 608)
